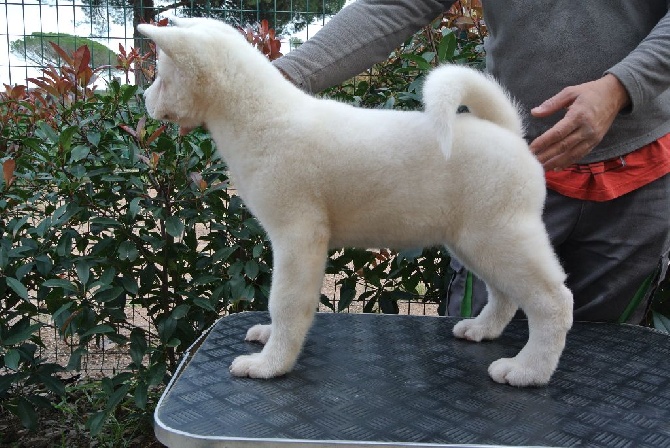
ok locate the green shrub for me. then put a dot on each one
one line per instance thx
(103, 210)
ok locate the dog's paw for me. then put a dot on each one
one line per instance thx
(512, 371)
(473, 330)
(254, 366)
(259, 333)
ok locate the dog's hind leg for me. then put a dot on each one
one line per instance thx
(549, 319)
(492, 320)
(299, 263)
(522, 272)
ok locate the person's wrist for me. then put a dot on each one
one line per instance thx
(618, 91)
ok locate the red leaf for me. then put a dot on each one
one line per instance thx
(8, 171)
(128, 129)
(265, 26)
(139, 130)
(156, 134)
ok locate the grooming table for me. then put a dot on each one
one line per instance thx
(366, 380)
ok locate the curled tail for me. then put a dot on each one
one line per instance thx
(451, 86)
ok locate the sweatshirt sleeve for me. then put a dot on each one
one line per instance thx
(360, 35)
(645, 72)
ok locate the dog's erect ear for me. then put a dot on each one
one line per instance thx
(191, 22)
(175, 41)
(183, 22)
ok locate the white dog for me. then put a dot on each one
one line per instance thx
(319, 174)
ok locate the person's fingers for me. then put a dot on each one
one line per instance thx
(555, 138)
(556, 103)
(564, 159)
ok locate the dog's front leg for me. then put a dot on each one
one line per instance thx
(299, 265)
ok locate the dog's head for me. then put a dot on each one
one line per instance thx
(190, 56)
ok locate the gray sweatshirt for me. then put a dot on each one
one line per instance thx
(535, 49)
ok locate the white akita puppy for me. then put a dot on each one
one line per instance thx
(319, 174)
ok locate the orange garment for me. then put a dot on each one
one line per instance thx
(603, 181)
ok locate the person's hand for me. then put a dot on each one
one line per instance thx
(591, 109)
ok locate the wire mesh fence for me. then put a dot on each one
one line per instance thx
(27, 26)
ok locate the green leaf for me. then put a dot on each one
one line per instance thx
(83, 272)
(65, 138)
(77, 171)
(46, 132)
(347, 294)
(224, 254)
(60, 283)
(166, 328)
(661, 322)
(180, 311)
(418, 60)
(137, 355)
(105, 222)
(141, 395)
(19, 252)
(78, 153)
(204, 304)
(107, 276)
(98, 329)
(64, 247)
(326, 302)
(27, 414)
(19, 334)
(12, 358)
(52, 383)
(447, 48)
(93, 138)
(118, 396)
(134, 207)
(17, 287)
(157, 373)
(174, 226)
(22, 271)
(17, 227)
(127, 92)
(258, 250)
(43, 226)
(130, 285)
(388, 304)
(4, 258)
(95, 422)
(205, 279)
(108, 294)
(75, 359)
(128, 251)
(44, 264)
(428, 56)
(251, 269)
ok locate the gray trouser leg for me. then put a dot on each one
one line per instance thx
(613, 252)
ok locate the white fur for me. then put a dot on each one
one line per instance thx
(319, 174)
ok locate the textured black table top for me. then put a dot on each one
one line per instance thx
(380, 380)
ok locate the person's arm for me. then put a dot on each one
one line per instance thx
(592, 107)
(645, 72)
(359, 36)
